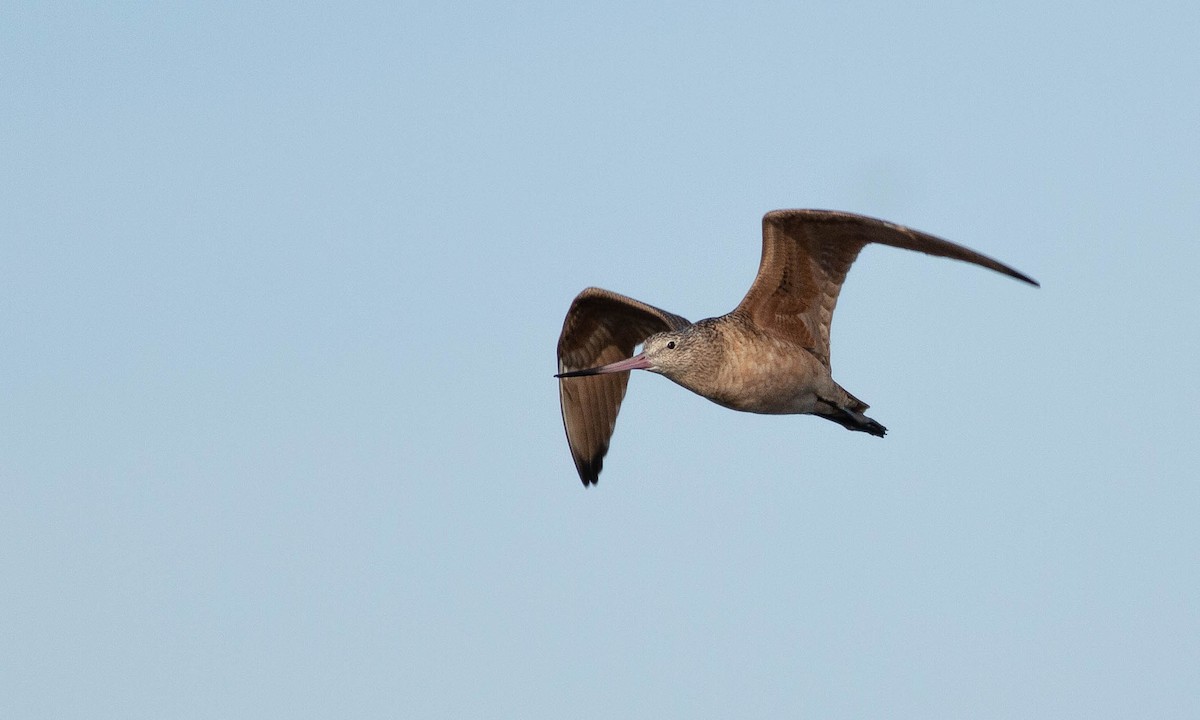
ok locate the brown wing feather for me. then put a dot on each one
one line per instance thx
(601, 327)
(806, 255)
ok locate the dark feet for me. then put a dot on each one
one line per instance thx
(852, 420)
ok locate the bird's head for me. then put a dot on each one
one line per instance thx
(670, 353)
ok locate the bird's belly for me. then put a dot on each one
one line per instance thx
(771, 403)
(779, 386)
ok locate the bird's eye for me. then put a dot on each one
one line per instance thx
(671, 345)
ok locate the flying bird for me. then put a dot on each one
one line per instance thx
(769, 355)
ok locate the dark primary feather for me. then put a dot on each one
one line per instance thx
(601, 327)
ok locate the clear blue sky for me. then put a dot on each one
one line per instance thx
(280, 291)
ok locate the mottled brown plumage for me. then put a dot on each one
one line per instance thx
(769, 355)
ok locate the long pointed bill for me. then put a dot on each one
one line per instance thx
(637, 362)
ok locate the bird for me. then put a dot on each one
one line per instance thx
(768, 355)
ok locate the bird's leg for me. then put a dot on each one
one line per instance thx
(852, 419)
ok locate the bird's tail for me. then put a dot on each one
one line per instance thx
(853, 403)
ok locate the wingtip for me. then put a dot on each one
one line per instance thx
(589, 472)
(1023, 277)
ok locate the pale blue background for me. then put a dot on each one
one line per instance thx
(281, 286)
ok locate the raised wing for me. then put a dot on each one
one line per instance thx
(806, 255)
(601, 327)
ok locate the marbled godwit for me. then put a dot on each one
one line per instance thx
(770, 355)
